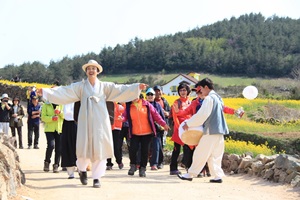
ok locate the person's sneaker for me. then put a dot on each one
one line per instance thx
(132, 169)
(83, 178)
(29, 147)
(36, 147)
(215, 181)
(55, 168)
(71, 177)
(46, 167)
(160, 166)
(200, 175)
(121, 166)
(175, 172)
(185, 177)
(142, 172)
(21, 147)
(96, 183)
(108, 167)
(154, 167)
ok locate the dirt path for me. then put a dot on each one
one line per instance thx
(116, 184)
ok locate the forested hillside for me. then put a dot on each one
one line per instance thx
(250, 45)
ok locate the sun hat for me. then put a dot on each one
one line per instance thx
(4, 96)
(92, 63)
(192, 136)
(150, 90)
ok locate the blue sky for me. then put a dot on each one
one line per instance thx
(45, 30)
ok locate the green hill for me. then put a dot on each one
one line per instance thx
(248, 46)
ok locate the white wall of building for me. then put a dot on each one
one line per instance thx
(173, 84)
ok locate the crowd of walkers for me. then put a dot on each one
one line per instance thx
(87, 123)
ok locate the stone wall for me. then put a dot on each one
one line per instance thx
(11, 175)
(277, 168)
(281, 168)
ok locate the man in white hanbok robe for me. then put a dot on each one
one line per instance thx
(94, 139)
(211, 146)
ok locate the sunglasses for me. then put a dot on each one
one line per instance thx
(149, 94)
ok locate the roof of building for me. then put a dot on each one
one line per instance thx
(192, 79)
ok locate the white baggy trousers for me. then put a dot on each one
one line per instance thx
(98, 167)
(210, 149)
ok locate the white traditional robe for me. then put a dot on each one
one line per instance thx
(94, 138)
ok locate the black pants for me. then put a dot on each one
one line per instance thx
(13, 132)
(68, 144)
(124, 134)
(174, 157)
(53, 143)
(187, 156)
(135, 141)
(33, 128)
(118, 143)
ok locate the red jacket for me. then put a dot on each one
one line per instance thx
(185, 102)
(191, 110)
(118, 119)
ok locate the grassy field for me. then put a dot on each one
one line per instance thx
(224, 81)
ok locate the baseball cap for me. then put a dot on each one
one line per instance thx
(150, 90)
(157, 87)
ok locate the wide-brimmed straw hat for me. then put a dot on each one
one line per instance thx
(92, 63)
(4, 96)
(192, 136)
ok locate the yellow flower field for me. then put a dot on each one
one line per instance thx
(25, 84)
(235, 124)
(245, 124)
